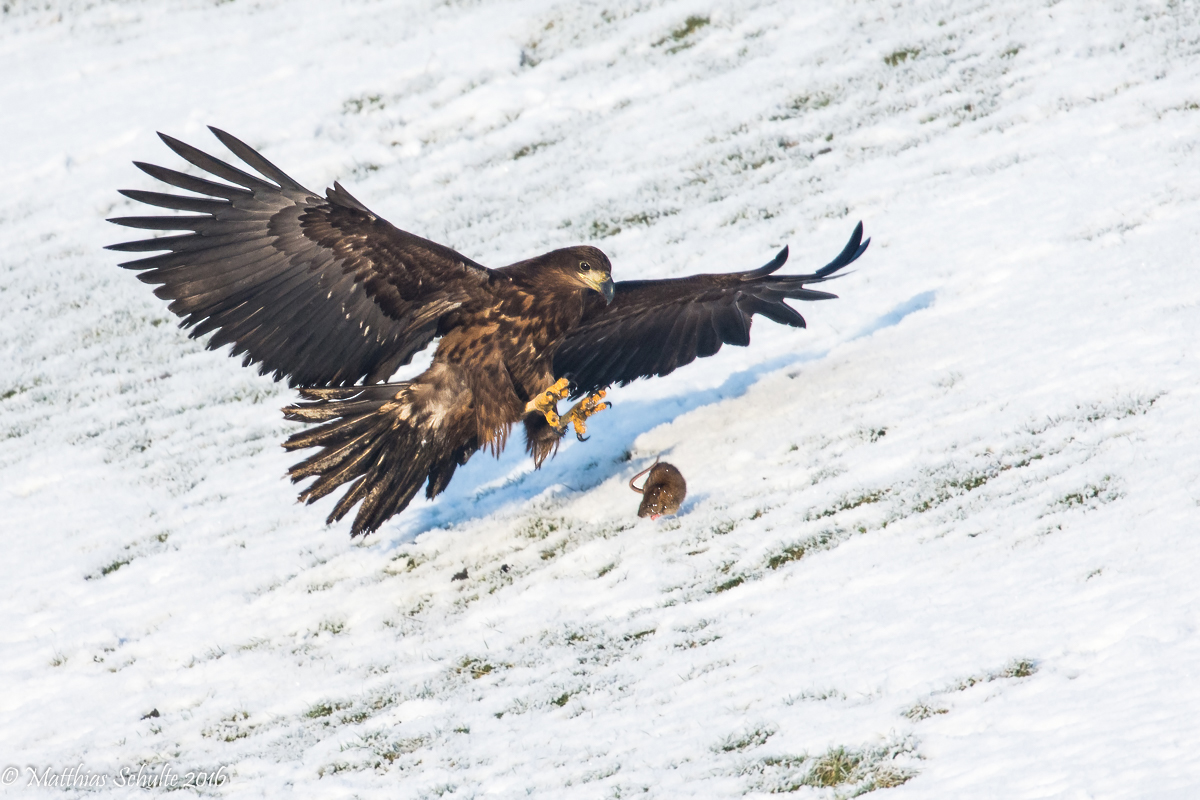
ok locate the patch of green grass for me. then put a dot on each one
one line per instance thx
(1024, 462)
(733, 582)
(691, 644)
(367, 102)
(848, 503)
(134, 549)
(680, 35)
(970, 482)
(539, 528)
(690, 26)
(555, 551)
(607, 568)
(561, 700)
(849, 772)
(745, 741)
(319, 710)
(389, 751)
(530, 149)
(332, 626)
(253, 644)
(230, 729)
(885, 777)
(1017, 668)
(815, 694)
(898, 57)
(874, 434)
(800, 104)
(826, 540)
(334, 769)
(1020, 668)
(1131, 406)
(403, 562)
(836, 767)
(788, 554)
(957, 485)
(115, 565)
(602, 229)
(809, 101)
(1090, 495)
(605, 228)
(922, 711)
(474, 667)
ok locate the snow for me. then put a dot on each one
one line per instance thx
(948, 533)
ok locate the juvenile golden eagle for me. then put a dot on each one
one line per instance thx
(323, 292)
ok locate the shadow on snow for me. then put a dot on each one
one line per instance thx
(486, 485)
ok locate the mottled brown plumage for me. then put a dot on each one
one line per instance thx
(323, 292)
(663, 492)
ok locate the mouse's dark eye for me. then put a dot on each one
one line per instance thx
(584, 266)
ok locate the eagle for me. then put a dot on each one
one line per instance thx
(322, 291)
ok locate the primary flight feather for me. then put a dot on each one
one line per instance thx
(322, 292)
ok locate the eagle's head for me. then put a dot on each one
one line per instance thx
(587, 267)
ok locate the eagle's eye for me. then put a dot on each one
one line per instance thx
(584, 266)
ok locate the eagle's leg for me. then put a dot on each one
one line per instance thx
(546, 403)
(585, 408)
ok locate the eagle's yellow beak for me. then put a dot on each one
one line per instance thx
(604, 287)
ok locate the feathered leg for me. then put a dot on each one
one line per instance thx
(541, 438)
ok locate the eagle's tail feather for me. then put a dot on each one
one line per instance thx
(335, 468)
(379, 441)
(326, 434)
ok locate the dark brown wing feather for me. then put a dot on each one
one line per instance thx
(654, 327)
(318, 290)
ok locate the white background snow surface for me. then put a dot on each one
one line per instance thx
(941, 544)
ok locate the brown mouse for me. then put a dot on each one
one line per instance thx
(663, 492)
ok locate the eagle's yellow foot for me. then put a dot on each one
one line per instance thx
(585, 408)
(547, 402)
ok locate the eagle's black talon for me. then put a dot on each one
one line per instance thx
(581, 437)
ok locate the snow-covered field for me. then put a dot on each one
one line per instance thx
(941, 544)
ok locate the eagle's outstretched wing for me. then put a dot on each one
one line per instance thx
(654, 327)
(316, 289)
